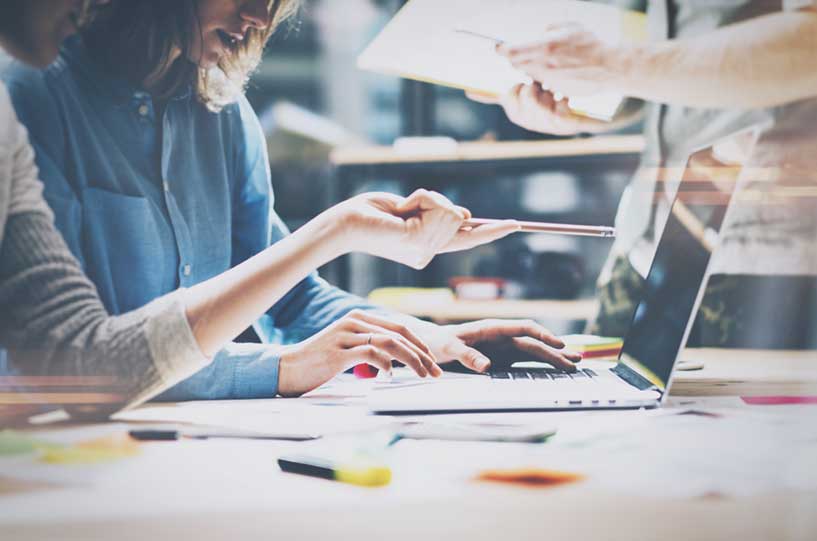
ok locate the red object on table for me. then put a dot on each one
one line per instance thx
(365, 371)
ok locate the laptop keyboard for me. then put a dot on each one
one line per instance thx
(544, 374)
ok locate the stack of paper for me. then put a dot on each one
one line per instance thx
(439, 41)
(594, 347)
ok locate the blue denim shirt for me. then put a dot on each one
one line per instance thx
(151, 203)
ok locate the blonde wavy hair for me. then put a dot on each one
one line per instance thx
(141, 39)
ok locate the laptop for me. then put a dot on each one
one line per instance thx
(660, 326)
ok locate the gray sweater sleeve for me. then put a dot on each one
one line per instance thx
(53, 323)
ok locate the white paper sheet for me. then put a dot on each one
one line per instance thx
(425, 42)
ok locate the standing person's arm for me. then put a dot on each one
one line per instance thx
(758, 63)
(762, 62)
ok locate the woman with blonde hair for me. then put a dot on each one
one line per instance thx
(52, 320)
(157, 171)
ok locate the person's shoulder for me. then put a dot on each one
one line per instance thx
(21, 191)
(32, 90)
(12, 135)
(24, 80)
(33, 87)
(38, 98)
(5, 102)
(19, 76)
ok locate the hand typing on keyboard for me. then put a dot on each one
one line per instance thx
(495, 344)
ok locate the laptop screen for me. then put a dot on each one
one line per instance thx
(664, 315)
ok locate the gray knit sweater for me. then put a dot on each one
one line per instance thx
(52, 322)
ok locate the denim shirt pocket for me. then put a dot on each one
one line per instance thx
(130, 249)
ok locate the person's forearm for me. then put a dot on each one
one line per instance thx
(220, 308)
(57, 326)
(763, 62)
(54, 324)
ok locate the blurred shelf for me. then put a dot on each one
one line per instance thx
(459, 310)
(491, 151)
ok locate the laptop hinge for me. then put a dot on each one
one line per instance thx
(632, 377)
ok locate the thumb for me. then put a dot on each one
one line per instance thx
(481, 97)
(424, 202)
(471, 358)
(483, 234)
(418, 200)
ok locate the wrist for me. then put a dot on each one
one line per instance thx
(286, 368)
(331, 233)
(623, 64)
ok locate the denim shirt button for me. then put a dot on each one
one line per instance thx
(144, 110)
(165, 186)
(187, 270)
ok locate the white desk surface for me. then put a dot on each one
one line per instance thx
(232, 489)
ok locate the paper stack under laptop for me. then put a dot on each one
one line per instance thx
(594, 347)
(438, 41)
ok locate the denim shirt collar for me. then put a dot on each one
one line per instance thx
(121, 91)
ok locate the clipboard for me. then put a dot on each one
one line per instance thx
(443, 42)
